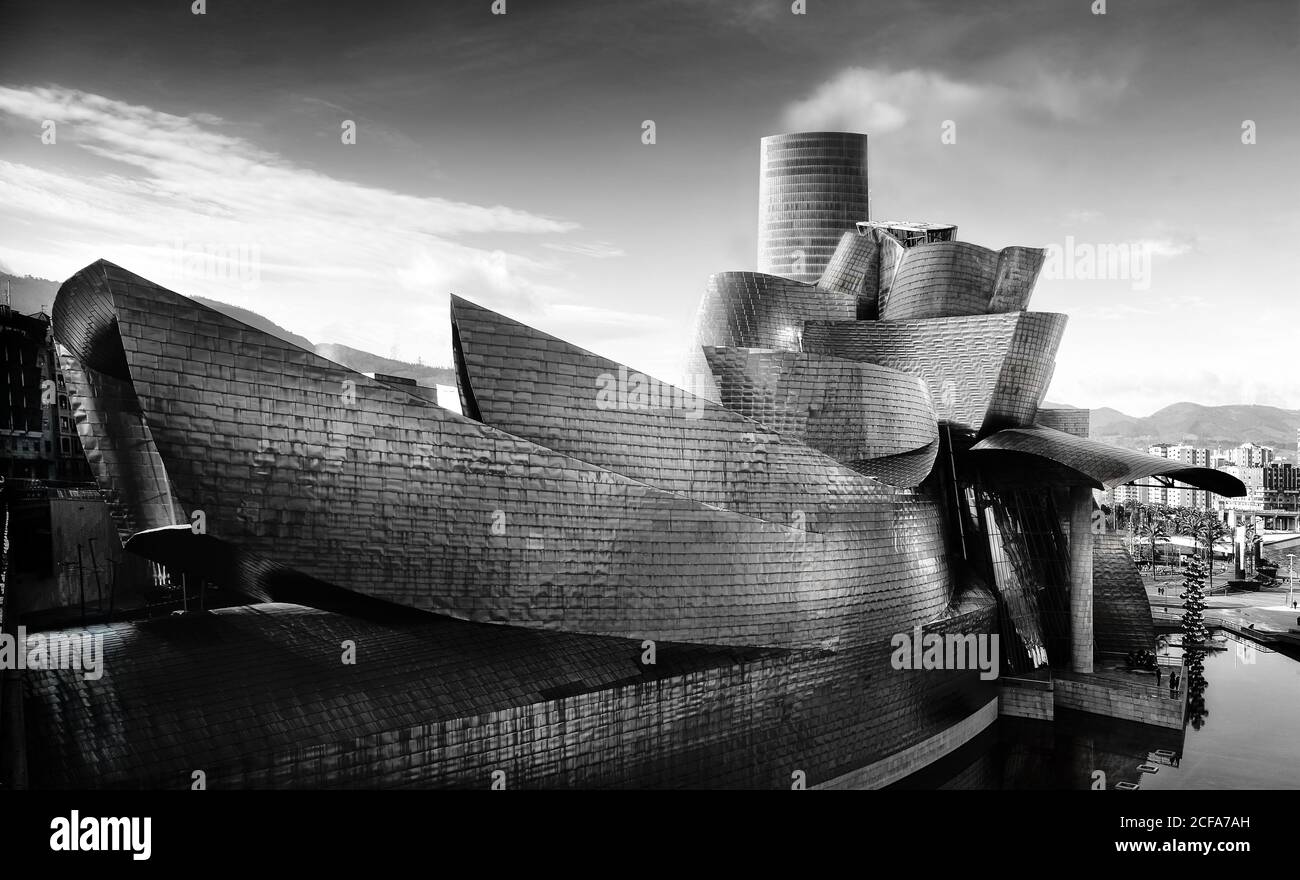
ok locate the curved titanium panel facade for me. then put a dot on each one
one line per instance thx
(812, 189)
(864, 264)
(541, 388)
(854, 412)
(1017, 273)
(118, 442)
(941, 280)
(982, 371)
(953, 278)
(1071, 421)
(752, 310)
(1106, 466)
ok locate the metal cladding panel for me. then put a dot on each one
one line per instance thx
(544, 389)
(812, 189)
(1026, 371)
(953, 278)
(752, 310)
(1017, 273)
(903, 469)
(891, 257)
(113, 432)
(976, 368)
(120, 450)
(1071, 421)
(863, 265)
(941, 280)
(1122, 610)
(854, 412)
(1106, 466)
(852, 268)
(362, 485)
(257, 697)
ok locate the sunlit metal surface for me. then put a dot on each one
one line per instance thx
(982, 371)
(951, 278)
(857, 413)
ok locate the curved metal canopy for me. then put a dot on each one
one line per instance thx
(1108, 466)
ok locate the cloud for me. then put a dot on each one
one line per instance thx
(875, 101)
(620, 323)
(150, 190)
(1122, 311)
(600, 250)
(880, 101)
(1064, 96)
(1166, 247)
(1084, 215)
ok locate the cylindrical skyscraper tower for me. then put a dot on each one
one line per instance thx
(812, 189)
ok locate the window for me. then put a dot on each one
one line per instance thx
(66, 445)
(65, 424)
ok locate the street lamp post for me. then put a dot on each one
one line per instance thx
(1290, 578)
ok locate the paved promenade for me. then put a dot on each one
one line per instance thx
(1267, 609)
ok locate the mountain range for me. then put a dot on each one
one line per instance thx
(1197, 425)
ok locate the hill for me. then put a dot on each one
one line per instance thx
(352, 358)
(1199, 425)
(253, 319)
(29, 294)
(365, 362)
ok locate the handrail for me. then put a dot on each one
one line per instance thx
(1038, 684)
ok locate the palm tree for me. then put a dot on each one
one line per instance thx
(1154, 531)
(1201, 526)
(1213, 531)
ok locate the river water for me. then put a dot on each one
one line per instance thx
(1244, 733)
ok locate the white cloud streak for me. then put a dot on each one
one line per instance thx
(326, 247)
(882, 101)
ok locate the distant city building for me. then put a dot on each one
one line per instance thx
(1281, 486)
(1129, 495)
(1254, 500)
(1246, 455)
(1269, 484)
(38, 438)
(1180, 494)
(1282, 476)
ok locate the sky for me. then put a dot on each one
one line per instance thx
(500, 157)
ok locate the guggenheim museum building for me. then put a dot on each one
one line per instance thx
(587, 578)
